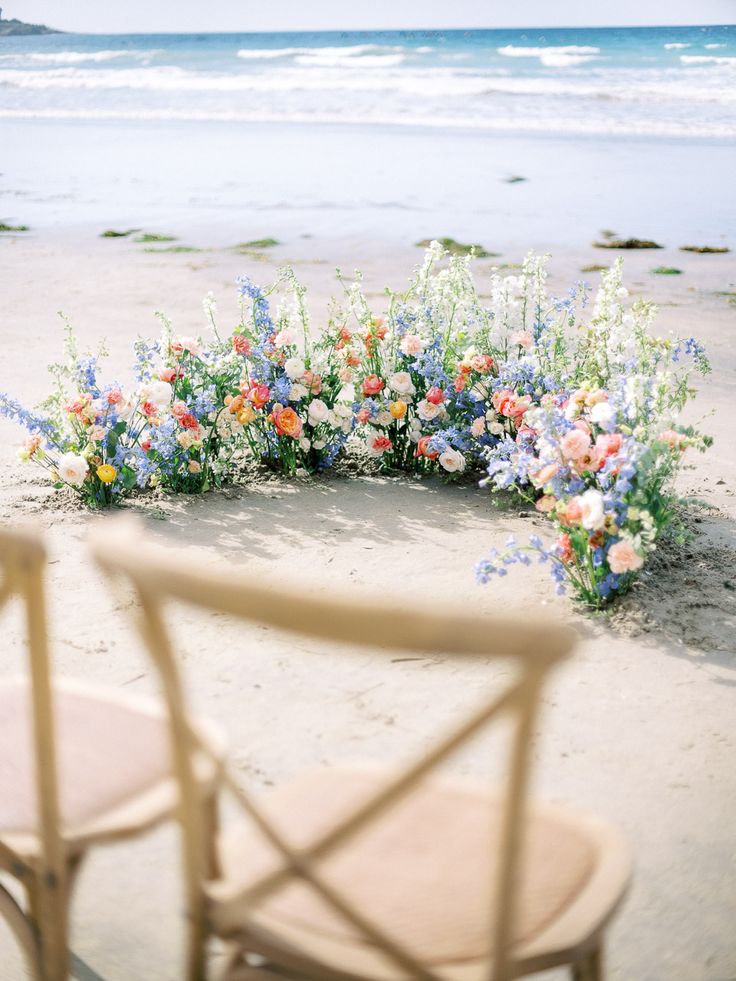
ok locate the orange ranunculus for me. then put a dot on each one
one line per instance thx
(424, 450)
(398, 409)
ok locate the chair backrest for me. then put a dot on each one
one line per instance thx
(159, 575)
(22, 563)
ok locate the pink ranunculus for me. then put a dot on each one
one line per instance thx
(435, 395)
(363, 415)
(241, 344)
(482, 363)
(478, 426)
(675, 440)
(572, 512)
(574, 444)
(545, 474)
(179, 409)
(623, 557)
(114, 396)
(523, 338)
(608, 444)
(411, 344)
(546, 503)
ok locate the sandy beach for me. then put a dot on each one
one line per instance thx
(638, 727)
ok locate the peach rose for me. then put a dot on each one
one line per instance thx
(574, 444)
(623, 557)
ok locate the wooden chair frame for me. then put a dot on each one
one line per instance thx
(159, 576)
(45, 862)
(42, 935)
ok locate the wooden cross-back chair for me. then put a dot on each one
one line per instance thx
(377, 875)
(79, 765)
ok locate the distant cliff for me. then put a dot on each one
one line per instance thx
(12, 27)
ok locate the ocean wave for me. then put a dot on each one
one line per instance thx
(336, 61)
(512, 123)
(423, 85)
(676, 45)
(78, 57)
(561, 56)
(708, 60)
(345, 51)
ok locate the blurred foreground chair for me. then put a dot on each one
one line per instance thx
(355, 874)
(78, 766)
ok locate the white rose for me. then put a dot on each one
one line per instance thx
(346, 394)
(73, 468)
(452, 460)
(603, 414)
(305, 444)
(159, 392)
(294, 368)
(297, 392)
(428, 410)
(317, 413)
(319, 444)
(591, 506)
(401, 383)
(383, 418)
(343, 411)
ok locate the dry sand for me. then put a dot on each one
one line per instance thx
(638, 727)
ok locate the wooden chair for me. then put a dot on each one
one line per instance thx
(374, 875)
(78, 766)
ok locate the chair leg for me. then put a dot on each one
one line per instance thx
(210, 828)
(590, 967)
(22, 926)
(49, 909)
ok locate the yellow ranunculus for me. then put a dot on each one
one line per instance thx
(106, 473)
(398, 409)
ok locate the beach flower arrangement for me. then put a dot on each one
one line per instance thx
(414, 370)
(570, 403)
(591, 437)
(85, 432)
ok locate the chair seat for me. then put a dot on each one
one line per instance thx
(422, 872)
(113, 762)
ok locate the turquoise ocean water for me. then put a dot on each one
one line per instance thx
(362, 126)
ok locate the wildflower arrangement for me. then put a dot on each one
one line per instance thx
(591, 435)
(84, 433)
(412, 372)
(570, 404)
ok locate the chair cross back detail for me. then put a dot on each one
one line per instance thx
(158, 577)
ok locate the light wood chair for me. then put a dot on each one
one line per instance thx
(353, 874)
(78, 766)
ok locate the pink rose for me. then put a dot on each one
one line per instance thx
(546, 504)
(622, 557)
(179, 409)
(478, 426)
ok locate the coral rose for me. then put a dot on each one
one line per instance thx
(287, 423)
(372, 385)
